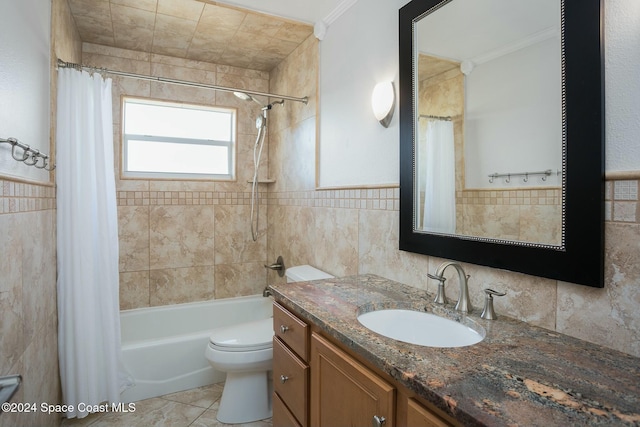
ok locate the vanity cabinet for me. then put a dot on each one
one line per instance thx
(317, 383)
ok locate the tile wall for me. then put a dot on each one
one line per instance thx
(28, 326)
(184, 241)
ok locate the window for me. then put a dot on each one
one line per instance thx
(175, 140)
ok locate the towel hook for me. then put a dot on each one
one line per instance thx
(33, 156)
(25, 153)
(49, 169)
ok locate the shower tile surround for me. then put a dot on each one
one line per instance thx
(184, 241)
(28, 327)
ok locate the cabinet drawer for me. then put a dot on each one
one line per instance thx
(282, 417)
(419, 416)
(291, 330)
(290, 380)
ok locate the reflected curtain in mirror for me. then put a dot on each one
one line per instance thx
(436, 175)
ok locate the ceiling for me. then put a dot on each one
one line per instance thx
(478, 31)
(204, 30)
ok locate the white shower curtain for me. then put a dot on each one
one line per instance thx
(437, 176)
(88, 307)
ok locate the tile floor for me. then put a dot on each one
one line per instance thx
(190, 408)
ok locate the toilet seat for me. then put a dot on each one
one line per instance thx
(249, 336)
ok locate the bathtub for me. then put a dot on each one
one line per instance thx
(163, 347)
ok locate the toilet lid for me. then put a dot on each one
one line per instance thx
(254, 335)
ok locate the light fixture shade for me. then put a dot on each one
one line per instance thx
(383, 101)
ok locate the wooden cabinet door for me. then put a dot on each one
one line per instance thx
(344, 392)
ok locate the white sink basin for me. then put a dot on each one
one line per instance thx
(416, 327)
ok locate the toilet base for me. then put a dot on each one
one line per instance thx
(245, 398)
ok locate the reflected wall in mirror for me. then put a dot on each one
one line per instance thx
(502, 135)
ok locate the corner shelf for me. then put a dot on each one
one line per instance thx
(263, 181)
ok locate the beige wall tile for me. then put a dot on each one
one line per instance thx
(340, 228)
(28, 326)
(235, 280)
(134, 289)
(180, 285)
(608, 316)
(140, 4)
(38, 271)
(180, 9)
(133, 237)
(12, 340)
(378, 253)
(529, 298)
(234, 243)
(181, 236)
(40, 375)
(292, 235)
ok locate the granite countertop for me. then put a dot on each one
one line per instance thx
(518, 375)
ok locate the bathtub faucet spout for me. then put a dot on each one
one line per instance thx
(266, 292)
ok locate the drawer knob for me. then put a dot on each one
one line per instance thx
(283, 378)
(283, 329)
(378, 421)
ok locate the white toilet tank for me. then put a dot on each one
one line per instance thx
(302, 273)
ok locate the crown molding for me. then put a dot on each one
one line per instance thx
(320, 27)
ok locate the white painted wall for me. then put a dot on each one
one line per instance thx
(25, 41)
(622, 88)
(513, 117)
(361, 47)
(359, 50)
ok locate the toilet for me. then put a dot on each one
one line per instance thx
(245, 352)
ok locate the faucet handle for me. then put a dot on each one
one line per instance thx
(440, 298)
(488, 312)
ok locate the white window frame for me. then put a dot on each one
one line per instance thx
(230, 145)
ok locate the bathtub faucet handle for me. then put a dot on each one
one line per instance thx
(274, 266)
(277, 266)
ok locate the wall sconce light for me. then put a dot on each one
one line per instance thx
(383, 102)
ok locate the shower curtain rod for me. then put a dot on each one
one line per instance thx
(64, 64)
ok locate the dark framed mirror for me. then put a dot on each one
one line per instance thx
(502, 135)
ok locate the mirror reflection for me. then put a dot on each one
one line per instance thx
(489, 125)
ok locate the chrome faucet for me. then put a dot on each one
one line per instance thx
(463, 304)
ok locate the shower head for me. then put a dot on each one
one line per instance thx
(246, 97)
